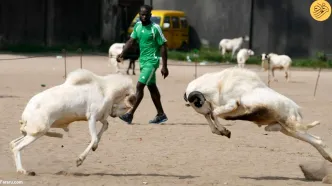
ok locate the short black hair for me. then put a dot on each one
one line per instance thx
(147, 7)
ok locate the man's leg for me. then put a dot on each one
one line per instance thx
(155, 95)
(128, 117)
(144, 77)
(139, 95)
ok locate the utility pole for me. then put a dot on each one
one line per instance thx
(251, 24)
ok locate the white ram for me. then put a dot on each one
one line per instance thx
(233, 45)
(114, 50)
(243, 55)
(276, 62)
(239, 94)
(84, 96)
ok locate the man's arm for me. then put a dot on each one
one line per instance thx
(127, 46)
(162, 42)
(129, 43)
(163, 52)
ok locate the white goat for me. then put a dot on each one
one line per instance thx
(239, 94)
(114, 50)
(275, 61)
(84, 96)
(243, 56)
(233, 45)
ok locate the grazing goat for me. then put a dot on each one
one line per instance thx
(275, 61)
(243, 56)
(114, 50)
(239, 94)
(233, 45)
(84, 96)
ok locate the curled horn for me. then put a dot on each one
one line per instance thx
(130, 100)
(195, 95)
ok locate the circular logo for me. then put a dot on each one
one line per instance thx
(320, 10)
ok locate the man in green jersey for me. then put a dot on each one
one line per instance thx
(151, 43)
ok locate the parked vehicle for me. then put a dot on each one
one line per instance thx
(174, 25)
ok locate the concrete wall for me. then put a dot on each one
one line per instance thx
(116, 17)
(109, 20)
(212, 19)
(55, 22)
(283, 26)
(76, 21)
(22, 21)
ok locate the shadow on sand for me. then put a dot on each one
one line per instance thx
(64, 173)
(275, 178)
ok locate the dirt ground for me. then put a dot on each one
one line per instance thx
(183, 151)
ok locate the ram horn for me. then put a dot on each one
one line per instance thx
(196, 95)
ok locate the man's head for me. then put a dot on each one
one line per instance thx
(145, 14)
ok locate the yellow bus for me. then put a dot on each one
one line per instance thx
(174, 25)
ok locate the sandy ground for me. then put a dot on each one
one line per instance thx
(183, 151)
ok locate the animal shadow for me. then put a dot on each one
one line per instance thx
(275, 178)
(78, 174)
(8, 96)
(298, 82)
(190, 124)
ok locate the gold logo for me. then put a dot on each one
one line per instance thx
(320, 10)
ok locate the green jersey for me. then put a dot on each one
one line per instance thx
(150, 38)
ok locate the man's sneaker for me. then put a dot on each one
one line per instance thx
(127, 118)
(159, 119)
